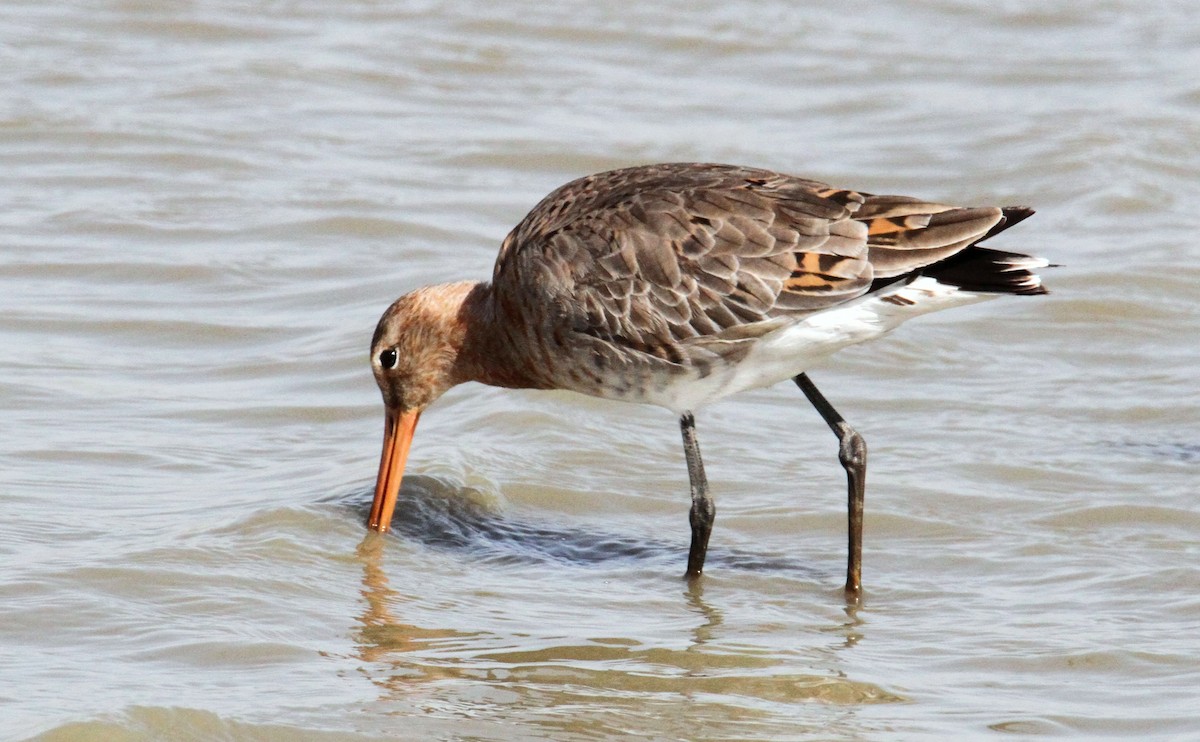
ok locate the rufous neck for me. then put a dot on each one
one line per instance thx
(491, 350)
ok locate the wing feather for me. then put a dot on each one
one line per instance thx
(664, 258)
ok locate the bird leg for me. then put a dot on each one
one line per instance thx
(703, 510)
(852, 453)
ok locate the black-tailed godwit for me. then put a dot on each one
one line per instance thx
(679, 284)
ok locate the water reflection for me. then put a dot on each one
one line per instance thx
(444, 516)
(852, 627)
(380, 634)
(705, 632)
(608, 659)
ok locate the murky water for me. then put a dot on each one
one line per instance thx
(204, 208)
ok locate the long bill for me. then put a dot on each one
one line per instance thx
(398, 432)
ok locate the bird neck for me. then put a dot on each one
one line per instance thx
(488, 351)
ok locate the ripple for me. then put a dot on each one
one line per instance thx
(451, 518)
(207, 208)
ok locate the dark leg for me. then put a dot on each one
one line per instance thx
(703, 510)
(852, 452)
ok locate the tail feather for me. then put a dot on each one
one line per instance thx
(982, 269)
(991, 271)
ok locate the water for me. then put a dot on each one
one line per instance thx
(204, 208)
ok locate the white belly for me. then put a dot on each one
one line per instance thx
(790, 350)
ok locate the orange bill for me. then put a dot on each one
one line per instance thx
(397, 439)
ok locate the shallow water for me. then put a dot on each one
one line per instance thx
(204, 209)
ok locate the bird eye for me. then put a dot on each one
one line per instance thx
(388, 358)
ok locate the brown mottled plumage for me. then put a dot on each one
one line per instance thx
(678, 284)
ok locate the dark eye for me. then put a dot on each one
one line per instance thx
(387, 358)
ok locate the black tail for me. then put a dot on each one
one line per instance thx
(983, 269)
(986, 270)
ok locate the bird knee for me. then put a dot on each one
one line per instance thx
(702, 514)
(852, 451)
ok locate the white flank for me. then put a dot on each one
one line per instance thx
(790, 350)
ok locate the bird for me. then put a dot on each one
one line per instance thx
(679, 284)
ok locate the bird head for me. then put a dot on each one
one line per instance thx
(413, 355)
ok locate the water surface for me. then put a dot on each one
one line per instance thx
(205, 208)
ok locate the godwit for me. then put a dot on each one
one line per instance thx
(679, 284)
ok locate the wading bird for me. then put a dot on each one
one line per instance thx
(679, 284)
